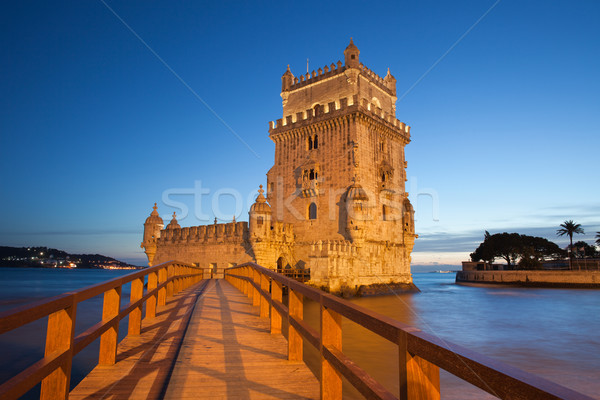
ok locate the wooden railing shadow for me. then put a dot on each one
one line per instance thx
(420, 355)
(243, 386)
(149, 288)
(161, 367)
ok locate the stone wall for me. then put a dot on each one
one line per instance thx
(565, 279)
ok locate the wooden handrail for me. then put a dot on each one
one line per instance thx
(54, 370)
(421, 355)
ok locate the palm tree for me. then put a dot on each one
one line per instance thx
(569, 228)
(598, 238)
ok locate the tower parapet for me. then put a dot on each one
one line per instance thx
(352, 77)
(205, 234)
(337, 108)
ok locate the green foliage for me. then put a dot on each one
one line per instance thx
(597, 238)
(569, 228)
(530, 251)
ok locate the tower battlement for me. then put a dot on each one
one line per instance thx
(336, 108)
(215, 233)
(328, 71)
(338, 80)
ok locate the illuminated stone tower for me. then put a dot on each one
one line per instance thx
(339, 174)
(336, 201)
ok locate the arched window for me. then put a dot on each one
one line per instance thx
(259, 221)
(384, 213)
(316, 142)
(312, 211)
(383, 177)
(310, 143)
(312, 175)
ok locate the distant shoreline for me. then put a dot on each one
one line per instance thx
(132, 268)
(538, 279)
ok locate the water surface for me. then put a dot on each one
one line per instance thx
(554, 333)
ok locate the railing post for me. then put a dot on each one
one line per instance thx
(331, 337)
(296, 310)
(162, 292)
(245, 284)
(170, 274)
(177, 281)
(59, 337)
(255, 294)
(109, 339)
(135, 317)
(175, 275)
(264, 303)
(419, 379)
(276, 295)
(151, 302)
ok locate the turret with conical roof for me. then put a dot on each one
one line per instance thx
(287, 80)
(357, 208)
(152, 228)
(174, 224)
(390, 82)
(351, 55)
(260, 217)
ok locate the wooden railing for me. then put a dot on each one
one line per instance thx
(299, 274)
(54, 370)
(420, 355)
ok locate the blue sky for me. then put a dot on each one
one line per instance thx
(95, 127)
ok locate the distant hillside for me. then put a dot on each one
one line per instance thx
(44, 257)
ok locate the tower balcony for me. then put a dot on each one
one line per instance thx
(310, 188)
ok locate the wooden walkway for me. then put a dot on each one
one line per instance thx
(206, 343)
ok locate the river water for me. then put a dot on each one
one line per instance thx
(554, 333)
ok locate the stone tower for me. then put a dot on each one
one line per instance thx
(336, 201)
(339, 174)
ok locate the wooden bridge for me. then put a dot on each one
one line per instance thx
(222, 338)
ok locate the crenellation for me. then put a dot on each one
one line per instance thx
(232, 231)
(335, 108)
(331, 106)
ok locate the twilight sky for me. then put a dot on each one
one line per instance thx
(109, 106)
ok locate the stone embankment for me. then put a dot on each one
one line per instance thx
(558, 279)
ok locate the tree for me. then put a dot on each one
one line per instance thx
(597, 238)
(528, 251)
(569, 228)
(485, 250)
(583, 250)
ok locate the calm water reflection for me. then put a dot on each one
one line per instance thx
(550, 332)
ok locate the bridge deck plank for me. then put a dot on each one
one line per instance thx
(145, 361)
(226, 352)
